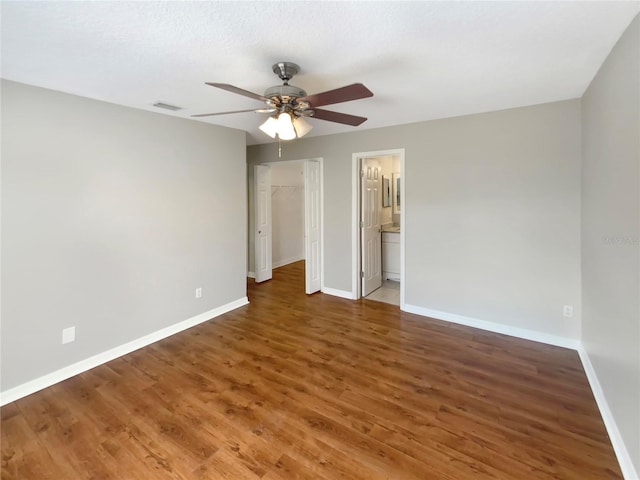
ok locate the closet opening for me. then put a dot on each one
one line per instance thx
(288, 219)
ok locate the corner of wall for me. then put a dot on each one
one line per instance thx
(617, 441)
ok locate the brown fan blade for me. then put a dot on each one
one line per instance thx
(339, 95)
(259, 110)
(338, 117)
(239, 91)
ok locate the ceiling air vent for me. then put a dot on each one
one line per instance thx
(166, 106)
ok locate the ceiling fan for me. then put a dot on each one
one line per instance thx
(290, 104)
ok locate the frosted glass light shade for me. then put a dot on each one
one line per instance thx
(285, 127)
(302, 126)
(270, 127)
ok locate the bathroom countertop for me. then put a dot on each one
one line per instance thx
(391, 229)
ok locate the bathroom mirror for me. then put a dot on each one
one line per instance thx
(386, 191)
(396, 193)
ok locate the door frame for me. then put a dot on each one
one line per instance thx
(356, 253)
(320, 160)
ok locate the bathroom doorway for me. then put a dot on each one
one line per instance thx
(378, 213)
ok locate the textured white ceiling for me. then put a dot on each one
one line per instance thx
(422, 60)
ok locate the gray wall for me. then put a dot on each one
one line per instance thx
(611, 233)
(111, 218)
(492, 212)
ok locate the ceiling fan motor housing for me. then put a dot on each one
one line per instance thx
(285, 92)
(285, 95)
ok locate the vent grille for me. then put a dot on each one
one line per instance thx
(166, 106)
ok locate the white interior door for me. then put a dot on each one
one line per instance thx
(371, 177)
(312, 225)
(262, 184)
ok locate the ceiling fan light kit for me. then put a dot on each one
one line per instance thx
(270, 127)
(290, 104)
(286, 127)
(302, 126)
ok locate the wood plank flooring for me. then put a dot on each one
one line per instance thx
(297, 387)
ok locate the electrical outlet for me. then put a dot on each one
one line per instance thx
(69, 335)
(567, 311)
(198, 292)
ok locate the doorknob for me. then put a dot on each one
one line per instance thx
(259, 232)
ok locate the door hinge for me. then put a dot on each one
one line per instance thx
(361, 274)
(362, 173)
(362, 224)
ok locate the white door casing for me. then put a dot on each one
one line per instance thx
(371, 179)
(262, 189)
(312, 226)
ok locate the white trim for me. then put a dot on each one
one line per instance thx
(624, 459)
(355, 227)
(287, 261)
(518, 332)
(49, 379)
(321, 160)
(403, 223)
(251, 274)
(338, 293)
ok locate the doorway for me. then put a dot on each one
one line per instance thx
(378, 221)
(288, 219)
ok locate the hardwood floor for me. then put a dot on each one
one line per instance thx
(297, 387)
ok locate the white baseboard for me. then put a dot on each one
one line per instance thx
(251, 274)
(622, 454)
(49, 379)
(287, 261)
(338, 293)
(617, 441)
(624, 459)
(391, 276)
(495, 327)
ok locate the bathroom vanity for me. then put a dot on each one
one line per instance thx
(391, 253)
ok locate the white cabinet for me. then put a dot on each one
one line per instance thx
(390, 255)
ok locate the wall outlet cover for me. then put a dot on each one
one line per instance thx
(69, 335)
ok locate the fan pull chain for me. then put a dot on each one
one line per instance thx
(279, 147)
